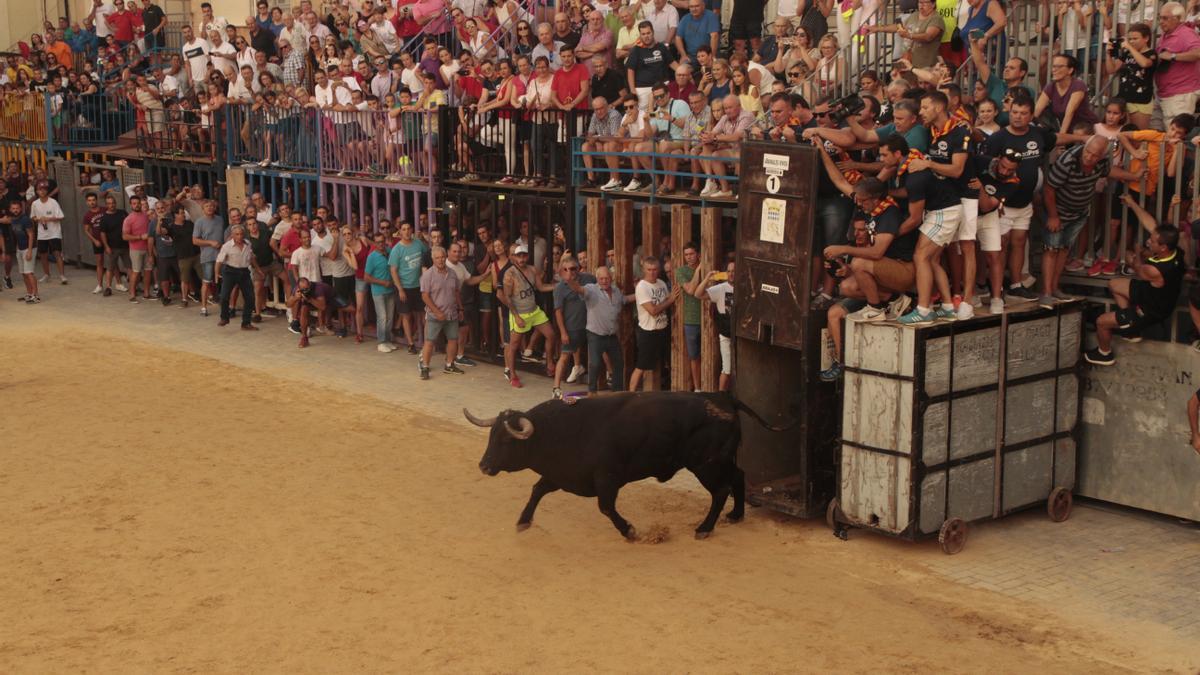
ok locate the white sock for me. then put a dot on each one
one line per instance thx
(922, 310)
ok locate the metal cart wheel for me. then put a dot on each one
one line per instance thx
(953, 536)
(831, 515)
(1058, 506)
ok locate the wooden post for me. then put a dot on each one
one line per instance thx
(711, 259)
(597, 218)
(681, 232)
(235, 186)
(651, 241)
(623, 280)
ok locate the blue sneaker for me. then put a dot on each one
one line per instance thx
(947, 314)
(832, 373)
(916, 317)
(464, 361)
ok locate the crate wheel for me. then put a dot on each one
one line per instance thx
(953, 536)
(1058, 506)
(831, 515)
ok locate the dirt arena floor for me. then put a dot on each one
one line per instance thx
(168, 512)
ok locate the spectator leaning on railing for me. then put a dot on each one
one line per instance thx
(1177, 77)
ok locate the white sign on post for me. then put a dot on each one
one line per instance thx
(774, 211)
(775, 165)
(773, 184)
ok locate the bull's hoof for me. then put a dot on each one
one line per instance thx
(631, 534)
(735, 517)
(703, 534)
(521, 527)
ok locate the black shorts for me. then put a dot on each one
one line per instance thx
(48, 245)
(652, 347)
(168, 268)
(343, 290)
(1132, 321)
(98, 250)
(412, 304)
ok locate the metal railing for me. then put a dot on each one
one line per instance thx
(689, 167)
(23, 117)
(183, 134)
(91, 119)
(524, 147)
(391, 145)
(272, 136)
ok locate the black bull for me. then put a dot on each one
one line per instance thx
(595, 446)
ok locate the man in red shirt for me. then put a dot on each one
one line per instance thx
(572, 82)
(121, 23)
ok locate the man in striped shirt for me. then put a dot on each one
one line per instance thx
(1070, 190)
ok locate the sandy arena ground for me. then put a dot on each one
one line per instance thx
(168, 512)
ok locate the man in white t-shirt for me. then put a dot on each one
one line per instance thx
(46, 213)
(223, 55)
(208, 22)
(101, 9)
(306, 260)
(653, 299)
(720, 292)
(323, 240)
(195, 52)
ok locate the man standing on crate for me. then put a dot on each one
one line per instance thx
(1149, 297)
(1069, 193)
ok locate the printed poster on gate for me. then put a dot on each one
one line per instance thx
(771, 226)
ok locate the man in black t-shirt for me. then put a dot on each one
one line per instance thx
(996, 184)
(1032, 145)
(606, 82)
(946, 163)
(649, 63)
(153, 20)
(116, 249)
(1150, 296)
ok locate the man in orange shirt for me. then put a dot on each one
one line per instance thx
(60, 49)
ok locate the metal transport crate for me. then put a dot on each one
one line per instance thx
(953, 422)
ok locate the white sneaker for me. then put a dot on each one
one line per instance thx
(996, 306)
(976, 302)
(722, 194)
(97, 290)
(633, 185)
(867, 313)
(63, 280)
(612, 184)
(965, 311)
(576, 373)
(44, 278)
(121, 287)
(710, 186)
(1029, 281)
(386, 348)
(898, 307)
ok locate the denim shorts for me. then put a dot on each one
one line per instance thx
(208, 271)
(434, 328)
(691, 334)
(1066, 234)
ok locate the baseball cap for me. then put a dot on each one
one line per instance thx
(521, 248)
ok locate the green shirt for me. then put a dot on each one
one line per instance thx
(691, 304)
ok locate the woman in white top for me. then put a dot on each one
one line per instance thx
(828, 72)
(449, 67)
(245, 55)
(480, 45)
(538, 99)
(409, 77)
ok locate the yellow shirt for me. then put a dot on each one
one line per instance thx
(949, 11)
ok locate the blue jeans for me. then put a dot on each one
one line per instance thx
(385, 316)
(598, 345)
(833, 220)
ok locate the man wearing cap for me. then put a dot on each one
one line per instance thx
(519, 294)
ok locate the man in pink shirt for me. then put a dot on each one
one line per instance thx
(431, 14)
(596, 40)
(136, 231)
(1177, 79)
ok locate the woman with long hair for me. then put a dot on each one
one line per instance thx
(524, 40)
(539, 101)
(718, 88)
(746, 92)
(355, 249)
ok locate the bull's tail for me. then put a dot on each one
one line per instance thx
(758, 418)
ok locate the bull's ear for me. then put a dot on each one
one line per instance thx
(524, 427)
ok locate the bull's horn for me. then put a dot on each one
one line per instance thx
(524, 432)
(478, 422)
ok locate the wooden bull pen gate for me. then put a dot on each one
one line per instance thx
(621, 238)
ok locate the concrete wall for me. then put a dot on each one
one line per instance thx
(18, 20)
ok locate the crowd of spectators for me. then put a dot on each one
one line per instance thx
(939, 172)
